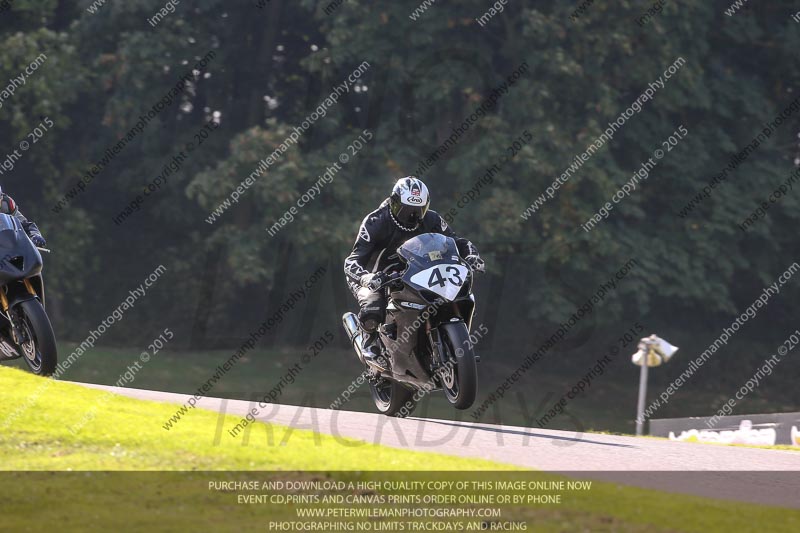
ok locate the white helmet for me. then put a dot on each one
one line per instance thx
(409, 202)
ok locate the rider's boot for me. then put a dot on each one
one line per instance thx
(371, 351)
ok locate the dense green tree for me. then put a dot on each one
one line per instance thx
(272, 66)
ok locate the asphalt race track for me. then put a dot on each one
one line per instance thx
(771, 476)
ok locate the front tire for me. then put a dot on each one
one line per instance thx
(392, 399)
(38, 349)
(461, 384)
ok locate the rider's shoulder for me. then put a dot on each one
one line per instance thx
(432, 219)
(7, 204)
(374, 224)
(378, 216)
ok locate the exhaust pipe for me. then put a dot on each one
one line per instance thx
(353, 329)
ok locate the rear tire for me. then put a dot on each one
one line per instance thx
(463, 387)
(392, 399)
(39, 352)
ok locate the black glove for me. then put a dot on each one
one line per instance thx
(475, 263)
(374, 281)
(38, 240)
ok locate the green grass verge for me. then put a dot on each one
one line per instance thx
(609, 406)
(67, 426)
(119, 433)
(323, 380)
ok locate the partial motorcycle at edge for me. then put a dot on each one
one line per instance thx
(25, 329)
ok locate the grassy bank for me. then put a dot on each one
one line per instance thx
(608, 406)
(122, 435)
(67, 426)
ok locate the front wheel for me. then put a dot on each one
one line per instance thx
(460, 375)
(38, 342)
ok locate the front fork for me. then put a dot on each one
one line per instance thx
(437, 360)
(435, 339)
(16, 329)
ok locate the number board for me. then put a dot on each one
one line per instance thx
(445, 279)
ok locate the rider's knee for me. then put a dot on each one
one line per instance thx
(370, 317)
(373, 307)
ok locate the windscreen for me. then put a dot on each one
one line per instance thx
(427, 248)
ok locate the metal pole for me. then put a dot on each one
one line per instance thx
(642, 396)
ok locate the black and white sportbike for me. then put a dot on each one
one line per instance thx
(25, 330)
(425, 337)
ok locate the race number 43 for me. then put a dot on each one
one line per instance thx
(451, 274)
(445, 280)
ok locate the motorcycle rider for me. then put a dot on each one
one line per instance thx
(9, 207)
(400, 217)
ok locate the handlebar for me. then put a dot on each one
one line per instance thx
(391, 278)
(394, 276)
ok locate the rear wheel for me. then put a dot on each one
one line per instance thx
(391, 398)
(460, 377)
(38, 342)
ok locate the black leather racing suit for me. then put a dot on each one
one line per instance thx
(9, 207)
(375, 250)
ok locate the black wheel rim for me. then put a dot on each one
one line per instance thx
(30, 351)
(383, 393)
(453, 391)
